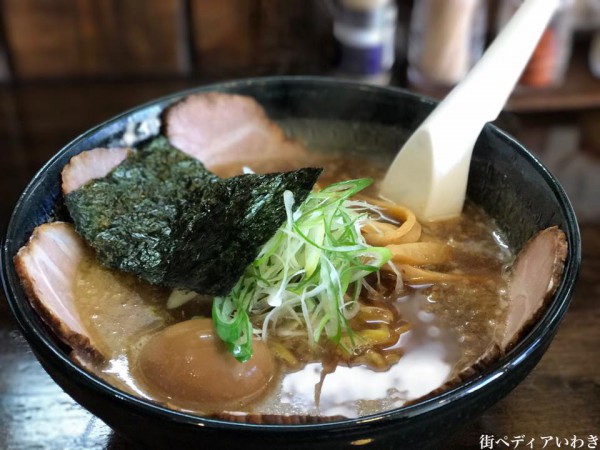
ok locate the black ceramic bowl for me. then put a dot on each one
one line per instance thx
(510, 183)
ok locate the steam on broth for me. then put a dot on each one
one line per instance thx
(351, 307)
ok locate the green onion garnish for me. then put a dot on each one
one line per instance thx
(307, 277)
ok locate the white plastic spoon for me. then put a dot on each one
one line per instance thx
(429, 174)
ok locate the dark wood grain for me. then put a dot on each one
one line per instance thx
(295, 37)
(91, 38)
(579, 90)
(50, 39)
(561, 397)
(260, 37)
(225, 36)
(5, 69)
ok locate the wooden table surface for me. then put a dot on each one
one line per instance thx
(559, 399)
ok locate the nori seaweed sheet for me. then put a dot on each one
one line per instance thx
(127, 216)
(233, 219)
(163, 216)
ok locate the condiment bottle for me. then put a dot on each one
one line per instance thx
(549, 62)
(446, 38)
(365, 31)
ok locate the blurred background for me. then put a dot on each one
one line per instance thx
(66, 65)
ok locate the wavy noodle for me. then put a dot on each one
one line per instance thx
(416, 275)
(410, 249)
(376, 325)
(420, 253)
(381, 234)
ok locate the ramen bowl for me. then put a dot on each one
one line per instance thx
(505, 179)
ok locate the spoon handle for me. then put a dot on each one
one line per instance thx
(429, 174)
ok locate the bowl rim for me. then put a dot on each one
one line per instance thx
(35, 334)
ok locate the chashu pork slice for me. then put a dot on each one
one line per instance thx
(47, 266)
(89, 165)
(220, 129)
(96, 311)
(534, 278)
(217, 129)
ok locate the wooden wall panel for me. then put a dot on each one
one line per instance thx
(5, 72)
(224, 35)
(260, 37)
(132, 38)
(4, 68)
(295, 36)
(93, 38)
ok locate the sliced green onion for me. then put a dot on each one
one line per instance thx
(310, 273)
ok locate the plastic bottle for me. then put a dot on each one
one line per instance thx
(365, 31)
(446, 38)
(549, 62)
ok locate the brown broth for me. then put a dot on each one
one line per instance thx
(440, 329)
(114, 304)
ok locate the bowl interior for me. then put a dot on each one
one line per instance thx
(511, 184)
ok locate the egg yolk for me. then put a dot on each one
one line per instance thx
(186, 365)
